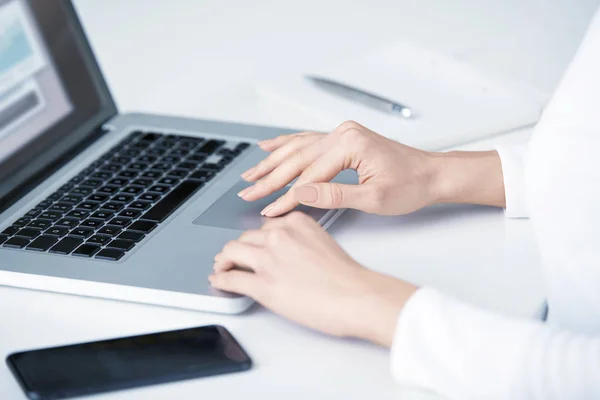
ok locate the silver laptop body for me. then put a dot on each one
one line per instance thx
(166, 265)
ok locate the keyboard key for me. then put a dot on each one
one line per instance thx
(71, 199)
(56, 231)
(162, 166)
(114, 207)
(120, 160)
(103, 215)
(121, 244)
(172, 201)
(61, 207)
(131, 235)
(196, 158)
(118, 182)
(152, 174)
(86, 250)
(11, 230)
(178, 173)
(128, 174)
(28, 233)
(16, 242)
(88, 206)
(138, 166)
(170, 159)
(99, 239)
(39, 224)
(123, 198)
(98, 198)
(92, 223)
(169, 181)
(130, 213)
(150, 137)
(156, 152)
(241, 147)
(110, 254)
(120, 221)
(141, 205)
(44, 204)
(142, 226)
(22, 221)
(93, 183)
(54, 196)
(108, 189)
(132, 190)
(3, 238)
(150, 197)
(67, 223)
(33, 213)
(51, 215)
(210, 147)
(187, 165)
(147, 159)
(142, 182)
(159, 189)
(84, 191)
(82, 231)
(78, 214)
(181, 152)
(110, 230)
(104, 175)
(203, 175)
(211, 166)
(42, 243)
(112, 168)
(66, 245)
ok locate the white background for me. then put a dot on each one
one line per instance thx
(201, 58)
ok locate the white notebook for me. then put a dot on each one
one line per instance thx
(453, 103)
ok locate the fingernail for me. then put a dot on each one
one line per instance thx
(306, 194)
(267, 209)
(264, 142)
(248, 173)
(211, 277)
(217, 256)
(244, 192)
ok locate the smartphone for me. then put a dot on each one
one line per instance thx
(96, 367)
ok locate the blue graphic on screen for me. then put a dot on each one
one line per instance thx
(14, 47)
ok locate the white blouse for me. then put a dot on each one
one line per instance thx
(462, 352)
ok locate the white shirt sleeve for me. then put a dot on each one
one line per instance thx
(513, 171)
(465, 353)
(461, 352)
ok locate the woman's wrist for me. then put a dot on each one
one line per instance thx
(473, 177)
(377, 310)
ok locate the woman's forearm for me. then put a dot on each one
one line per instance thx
(473, 177)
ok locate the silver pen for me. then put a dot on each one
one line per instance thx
(360, 96)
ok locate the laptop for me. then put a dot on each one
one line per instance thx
(129, 207)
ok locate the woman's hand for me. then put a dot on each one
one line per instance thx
(293, 267)
(393, 178)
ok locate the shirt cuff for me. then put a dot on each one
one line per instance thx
(513, 159)
(454, 349)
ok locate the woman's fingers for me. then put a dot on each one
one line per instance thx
(323, 169)
(279, 155)
(238, 254)
(284, 173)
(275, 143)
(240, 282)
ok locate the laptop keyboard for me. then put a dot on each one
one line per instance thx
(110, 206)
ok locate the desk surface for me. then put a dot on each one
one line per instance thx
(194, 58)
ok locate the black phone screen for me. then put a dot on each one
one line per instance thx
(94, 367)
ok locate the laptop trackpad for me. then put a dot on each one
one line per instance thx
(231, 212)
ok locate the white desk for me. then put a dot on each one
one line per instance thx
(200, 58)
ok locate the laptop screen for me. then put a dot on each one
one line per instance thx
(32, 97)
(52, 94)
